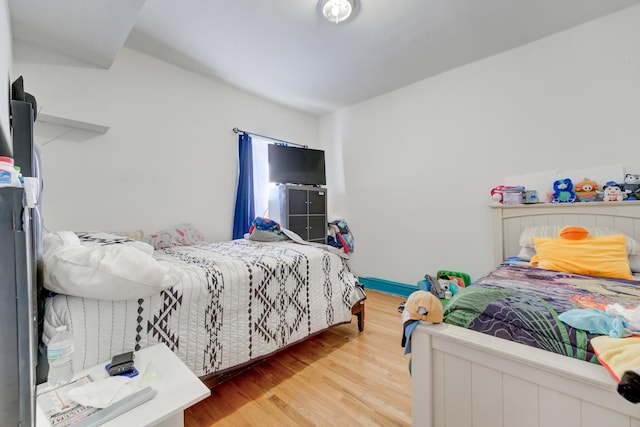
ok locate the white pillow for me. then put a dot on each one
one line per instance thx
(526, 253)
(134, 234)
(100, 238)
(110, 272)
(184, 234)
(264, 236)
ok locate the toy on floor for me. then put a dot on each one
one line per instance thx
(463, 279)
(401, 306)
(563, 191)
(450, 287)
(446, 283)
(431, 284)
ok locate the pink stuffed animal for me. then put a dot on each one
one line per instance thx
(496, 193)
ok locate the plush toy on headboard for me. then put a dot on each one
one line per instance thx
(496, 193)
(563, 191)
(587, 190)
(612, 192)
(630, 185)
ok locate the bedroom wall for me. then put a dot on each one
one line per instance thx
(419, 162)
(169, 156)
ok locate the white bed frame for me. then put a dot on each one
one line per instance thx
(465, 378)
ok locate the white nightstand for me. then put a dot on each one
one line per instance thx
(177, 390)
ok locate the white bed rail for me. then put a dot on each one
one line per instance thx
(461, 378)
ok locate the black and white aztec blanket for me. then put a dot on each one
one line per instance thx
(237, 301)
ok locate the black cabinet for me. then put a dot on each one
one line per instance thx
(302, 209)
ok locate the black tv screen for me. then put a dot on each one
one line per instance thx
(290, 165)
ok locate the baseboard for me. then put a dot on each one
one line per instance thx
(387, 286)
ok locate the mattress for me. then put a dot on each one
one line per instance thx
(521, 303)
(237, 301)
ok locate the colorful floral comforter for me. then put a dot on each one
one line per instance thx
(522, 304)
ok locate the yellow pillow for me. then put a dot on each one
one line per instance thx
(604, 256)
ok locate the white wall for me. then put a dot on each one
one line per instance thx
(410, 170)
(5, 67)
(419, 162)
(170, 155)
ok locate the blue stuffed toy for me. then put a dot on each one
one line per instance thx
(563, 191)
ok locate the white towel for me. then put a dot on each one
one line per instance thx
(101, 393)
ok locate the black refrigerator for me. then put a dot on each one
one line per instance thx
(20, 262)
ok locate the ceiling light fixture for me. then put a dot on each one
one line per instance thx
(337, 11)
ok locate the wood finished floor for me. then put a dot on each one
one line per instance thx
(337, 378)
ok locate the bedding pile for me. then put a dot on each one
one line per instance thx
(235, 302)
(522, 304)
(103, 266)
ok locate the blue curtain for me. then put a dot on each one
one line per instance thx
(245, 209)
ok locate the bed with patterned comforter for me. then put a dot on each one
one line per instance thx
(237, 302)
(522, 304)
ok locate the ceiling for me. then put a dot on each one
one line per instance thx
(284, 51)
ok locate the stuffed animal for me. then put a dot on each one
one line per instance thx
(612, 192)
(496, 193)
(586, 190)
(448, 285)
(630, 185)
(563, 191)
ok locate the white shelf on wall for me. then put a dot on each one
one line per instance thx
(49, 128)
(70, 123)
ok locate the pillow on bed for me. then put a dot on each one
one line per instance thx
(100, 238)
(181, 235)
(527, 249)
(527, 253)
(107, 271)
(135, 234)
(603, 256)
(527, 235)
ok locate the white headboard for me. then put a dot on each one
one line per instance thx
(510, 220)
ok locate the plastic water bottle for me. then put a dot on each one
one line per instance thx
(60, 357)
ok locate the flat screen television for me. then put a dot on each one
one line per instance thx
(291, 165)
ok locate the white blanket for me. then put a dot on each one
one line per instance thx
(237, 301)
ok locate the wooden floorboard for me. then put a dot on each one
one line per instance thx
(338, 378)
